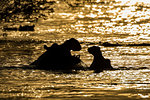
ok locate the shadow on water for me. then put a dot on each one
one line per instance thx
(26, 67)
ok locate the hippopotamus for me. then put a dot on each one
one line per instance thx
(99, 62)
(58, 57)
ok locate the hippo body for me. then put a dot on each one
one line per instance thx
(58, 57)
(99, 62)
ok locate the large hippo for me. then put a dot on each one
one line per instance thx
(58, 57)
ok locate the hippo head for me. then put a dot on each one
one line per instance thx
(94, 50)
(73, 44)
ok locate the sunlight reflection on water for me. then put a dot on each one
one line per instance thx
(121, 21)
(45, 84)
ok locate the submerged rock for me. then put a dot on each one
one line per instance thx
(26, 28)
(20, 28)
(107, 44)
(10, 28)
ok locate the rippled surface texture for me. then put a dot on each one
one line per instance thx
(92, 23)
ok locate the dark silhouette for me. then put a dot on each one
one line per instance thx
(107, 44)
(21, 28)
(99, 62)
(58, 57)
(9, 29)
(26, 28)
(142, 44)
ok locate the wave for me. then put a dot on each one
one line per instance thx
(24, 41)
(27, 67)
(131, 68)
(107, 44)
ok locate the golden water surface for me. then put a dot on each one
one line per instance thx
(91, 22)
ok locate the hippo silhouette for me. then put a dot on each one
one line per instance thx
(26, 28)
(99, 62)
(21, 28)
(58, 57)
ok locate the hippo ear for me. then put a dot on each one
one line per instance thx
(45, 47)
(54, 45)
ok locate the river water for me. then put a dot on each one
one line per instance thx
(113, 21)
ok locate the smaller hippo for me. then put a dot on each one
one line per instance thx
(99, 63)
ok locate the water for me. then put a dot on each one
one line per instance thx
(113, 21)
